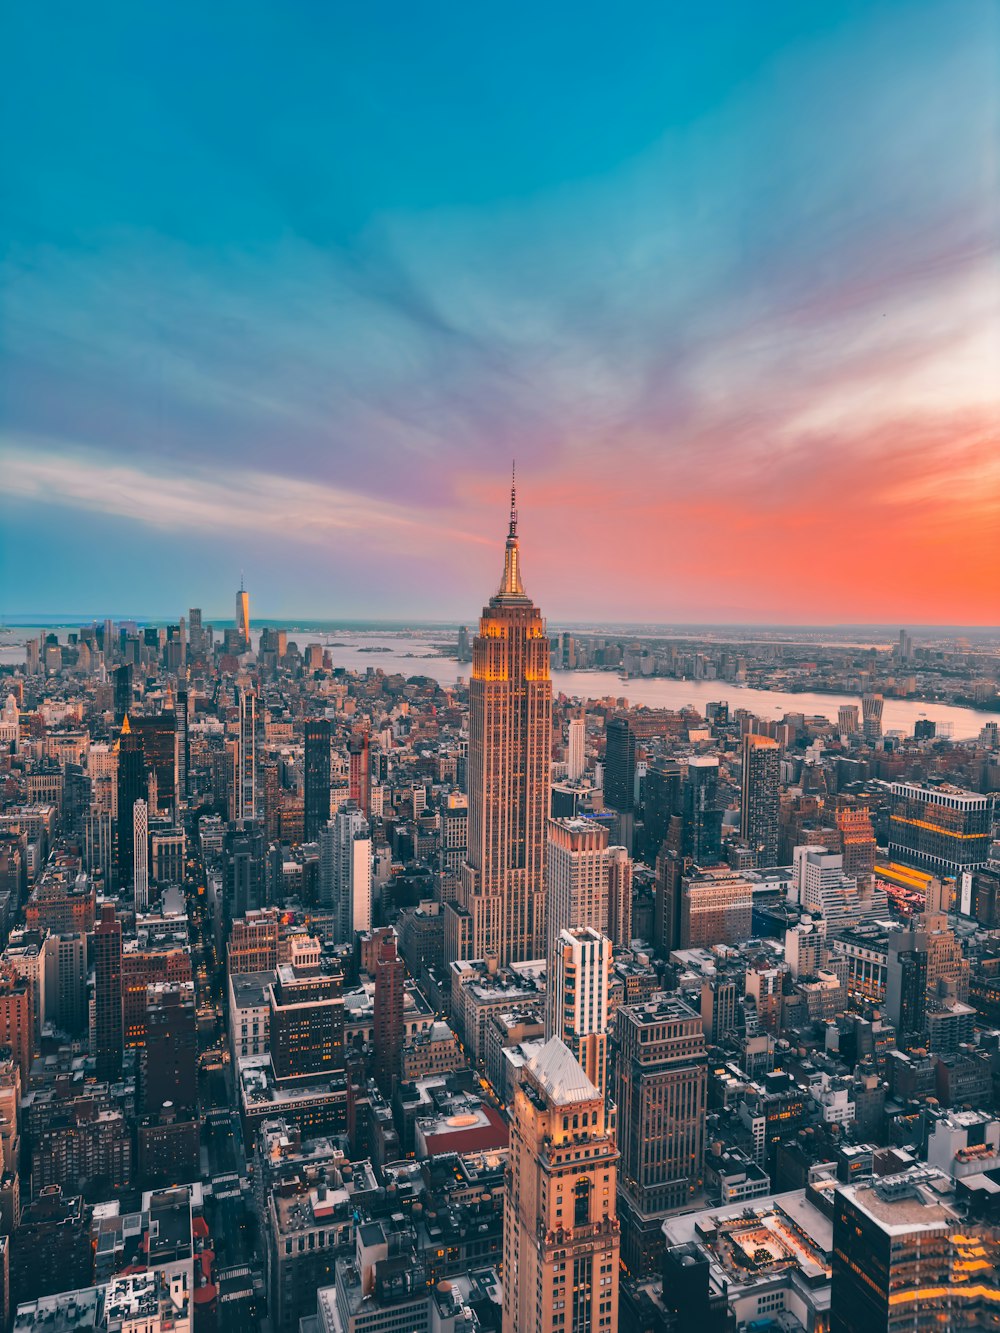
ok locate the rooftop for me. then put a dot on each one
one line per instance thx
(560, 1075)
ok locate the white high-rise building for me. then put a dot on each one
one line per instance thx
(580, 967)
(576, 758)
(820, 885)
(140, 853)
(345, 872)
(619, 897)
(576, 877)
(246, 763)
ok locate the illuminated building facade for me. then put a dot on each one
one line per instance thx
(500, 907)
(904, 1259)
(359, 775)
(242, 620)
(561, 1239)
(857, 841)
(943, 829)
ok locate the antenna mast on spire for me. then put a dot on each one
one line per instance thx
(513, 499)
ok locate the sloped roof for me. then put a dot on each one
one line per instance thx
(560, 1075)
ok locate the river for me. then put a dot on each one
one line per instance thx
(413, 654)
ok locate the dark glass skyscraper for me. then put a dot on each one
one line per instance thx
(317, 777)
(702, 817)
(123, 691)
(619, 765)
(244, 869)
(109, 1032)
(663, 786)
(761, 797)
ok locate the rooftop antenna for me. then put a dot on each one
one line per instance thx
(513, 499)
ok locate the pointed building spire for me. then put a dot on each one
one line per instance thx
(510, 584)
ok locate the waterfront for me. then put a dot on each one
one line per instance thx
(414, 653)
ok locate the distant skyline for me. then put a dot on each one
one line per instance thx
(285, 288)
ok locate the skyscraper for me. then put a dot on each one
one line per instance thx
(317, 777)
(905, 1258)
(576, 877)
(847, 719)
(576, 747)
(619, 765)
(702, 817)
(140, 854)
(246, 777)
(388, 1015)
(857, 840)
(716, 907)
(109, 1032)
(196, 646)
(500, 908)
(123, 692)
(580, 969)
(345, 872)
(560, 1241)
(761, 797)
(170, 1066)
(243, 869)
(359, 772)
(662, 800)
(942, 828)
(183, 749)
(871, 713)
(132, 786)
(660, 1084)
(619, 897)
(243, 616)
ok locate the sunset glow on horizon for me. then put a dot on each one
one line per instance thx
(288, 296)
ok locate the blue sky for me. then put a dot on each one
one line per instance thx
(286, 287)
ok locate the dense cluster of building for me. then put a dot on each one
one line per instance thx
(350, 1002)
(938, 670)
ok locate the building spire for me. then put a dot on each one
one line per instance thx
(510, 584)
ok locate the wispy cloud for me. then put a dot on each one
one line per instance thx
(262, 504)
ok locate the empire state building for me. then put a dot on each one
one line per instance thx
(500, 908)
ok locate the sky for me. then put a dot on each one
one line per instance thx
(284, 288)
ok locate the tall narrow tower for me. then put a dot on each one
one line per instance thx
(500, 908)
(243, 615)
(761, 797)
(140, 854)
(246, 777)
(561, 1238)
